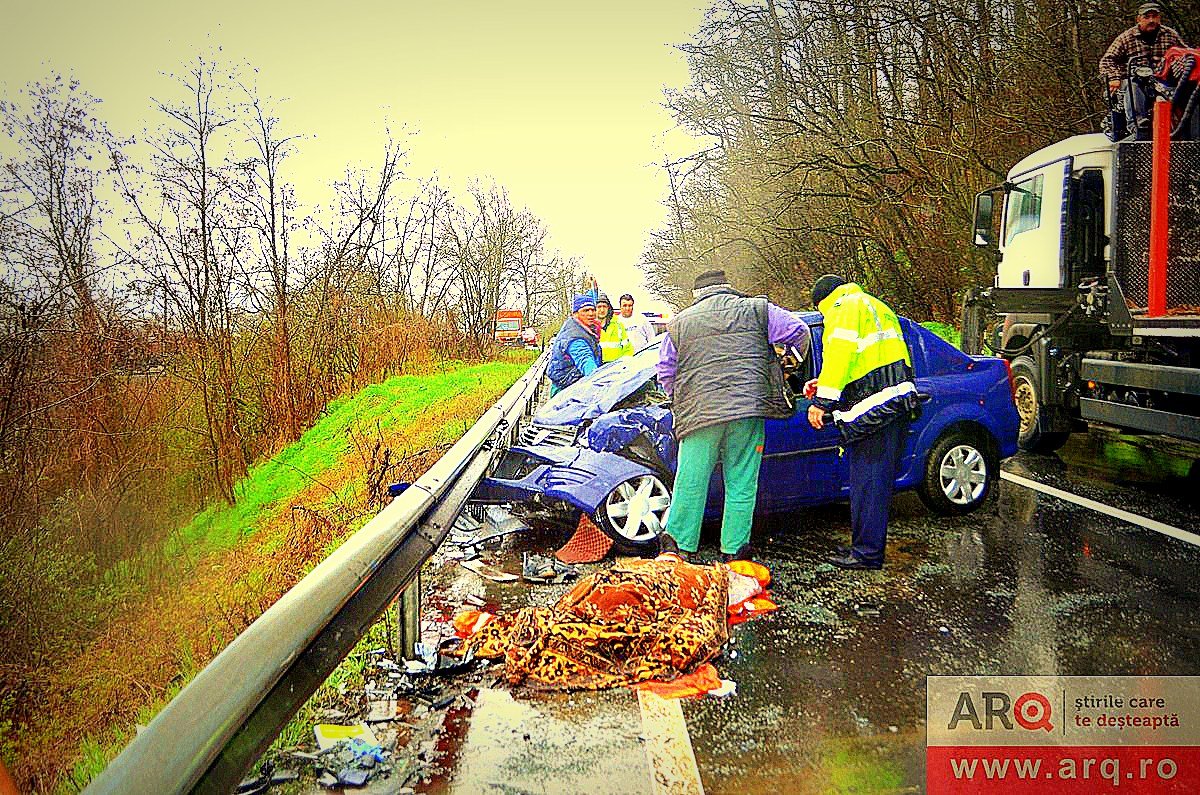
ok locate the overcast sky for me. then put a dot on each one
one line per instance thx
(558, 101)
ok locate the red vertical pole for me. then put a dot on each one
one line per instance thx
(1160, 189)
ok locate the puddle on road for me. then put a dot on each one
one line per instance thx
(1131, 474)
(555, 742)
(833, 700)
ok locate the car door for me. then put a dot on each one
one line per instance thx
(801, 465)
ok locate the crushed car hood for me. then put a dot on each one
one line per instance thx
(590, 397)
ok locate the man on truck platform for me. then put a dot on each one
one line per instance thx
(1145, 43)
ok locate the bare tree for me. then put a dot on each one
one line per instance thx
(267, 202)
(190, 249)
(852, 138)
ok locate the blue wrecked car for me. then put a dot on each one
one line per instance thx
(604, 444)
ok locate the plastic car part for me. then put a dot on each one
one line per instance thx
(959, 473)
(641, 434)
(635, 512)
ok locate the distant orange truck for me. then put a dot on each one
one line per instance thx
(508, 326)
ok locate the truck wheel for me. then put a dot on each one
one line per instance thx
(635, 512)
(959, 474)
(1026, 388)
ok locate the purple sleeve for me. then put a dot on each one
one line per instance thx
(666, 364)
(784, 328)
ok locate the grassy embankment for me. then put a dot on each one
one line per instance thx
(292, 511)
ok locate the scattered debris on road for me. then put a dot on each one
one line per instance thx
(634, 622)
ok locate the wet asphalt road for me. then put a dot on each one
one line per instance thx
(831, 688)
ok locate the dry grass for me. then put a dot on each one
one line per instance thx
(156, 642)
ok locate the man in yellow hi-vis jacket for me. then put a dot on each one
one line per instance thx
(614, 340)
(866, 380)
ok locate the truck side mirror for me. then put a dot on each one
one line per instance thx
(985, 205)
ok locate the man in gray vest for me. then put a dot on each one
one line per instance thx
(718, 364)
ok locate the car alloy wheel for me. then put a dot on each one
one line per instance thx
(963, 474)
(636, 511)
(960, 471)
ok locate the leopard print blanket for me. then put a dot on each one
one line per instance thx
(647, 619)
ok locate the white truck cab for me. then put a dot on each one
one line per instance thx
(1033, 242)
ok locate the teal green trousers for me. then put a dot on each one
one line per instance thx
(738, 446)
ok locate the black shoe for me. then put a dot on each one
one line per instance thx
(854, 564)
(667, 545)
(842, 551)
(744, 553)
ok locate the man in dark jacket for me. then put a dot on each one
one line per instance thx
(866, 380)
(718, 364)
(575, 351)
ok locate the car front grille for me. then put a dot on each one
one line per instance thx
(556, 435)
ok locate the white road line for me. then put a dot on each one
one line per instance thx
(1107, 510)
(668, 746)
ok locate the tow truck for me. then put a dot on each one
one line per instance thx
(1096, 297)
(508, 326)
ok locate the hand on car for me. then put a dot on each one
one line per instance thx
(816, 416)
(810, 388)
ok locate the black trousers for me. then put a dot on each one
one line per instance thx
(873, 461)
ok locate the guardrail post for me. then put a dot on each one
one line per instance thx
(408, 620)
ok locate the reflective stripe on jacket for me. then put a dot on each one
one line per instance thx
(614, 341)
(866, 370)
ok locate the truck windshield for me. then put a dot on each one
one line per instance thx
(1024, 207)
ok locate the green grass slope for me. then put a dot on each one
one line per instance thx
(270, 484)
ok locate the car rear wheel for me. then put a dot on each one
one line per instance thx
(959, 474)
(635, 512)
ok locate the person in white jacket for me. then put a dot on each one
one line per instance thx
(638, 327)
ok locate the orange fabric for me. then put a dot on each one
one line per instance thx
(640, 620)
(468, 622)
(751, 569)
(588, 545)
(697, 683)
(750, 608)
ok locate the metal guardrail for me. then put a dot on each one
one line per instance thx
(212, 732)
